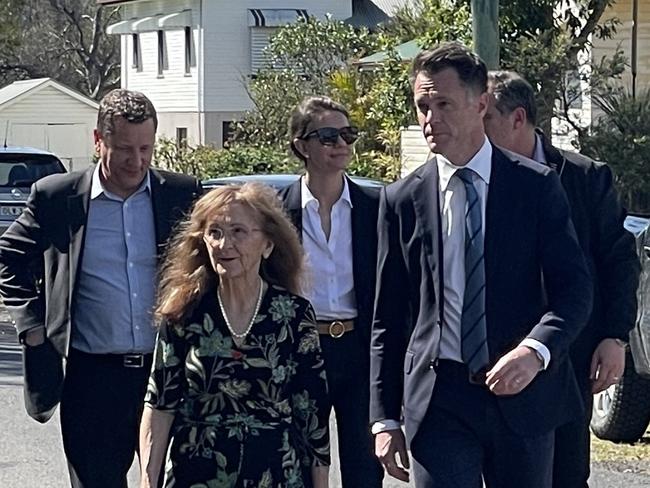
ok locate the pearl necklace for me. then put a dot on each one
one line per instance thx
(238, 335)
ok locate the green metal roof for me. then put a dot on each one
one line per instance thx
(406, 52)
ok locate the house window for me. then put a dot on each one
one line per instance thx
(260, 38)
(227, 131)
(188, 50)
(162, 65)
(181, 137)
(135, 52)
(263, 24)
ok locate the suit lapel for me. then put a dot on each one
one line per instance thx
(361, 232)
(77, 218)
(293, 204)
(426, 203)
(162, 209)
(499, 206)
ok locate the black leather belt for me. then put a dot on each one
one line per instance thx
(129, 360)
(460, 371)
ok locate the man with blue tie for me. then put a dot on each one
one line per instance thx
(78, 276)
(481, 289)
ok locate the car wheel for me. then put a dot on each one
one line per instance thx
(621, 413)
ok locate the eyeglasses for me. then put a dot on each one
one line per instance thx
(237, 233)
(329, 136)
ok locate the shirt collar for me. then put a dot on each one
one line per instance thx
(481, 164)
(538, 153)
(97, 188)
(307, 197)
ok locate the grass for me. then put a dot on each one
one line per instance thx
(622, 457)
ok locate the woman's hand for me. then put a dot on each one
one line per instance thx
(154, 436)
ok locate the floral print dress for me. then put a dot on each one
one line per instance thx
(253, 416)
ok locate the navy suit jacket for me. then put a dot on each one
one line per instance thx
(537, 286)
(40, 256)
(365, 203)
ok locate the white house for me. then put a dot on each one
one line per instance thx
(193, 57)
(45, 114)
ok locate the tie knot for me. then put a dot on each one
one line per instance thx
(465, 174)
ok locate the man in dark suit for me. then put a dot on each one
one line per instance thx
(77, 273)
(336, 220)
(481, 288)
(598, 355)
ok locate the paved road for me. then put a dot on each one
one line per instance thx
(31, 454)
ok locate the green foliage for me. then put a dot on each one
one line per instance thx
(303, 58)
(546, 41)
(429, 22)
(317, 57)
(316, 49)
(10, 25)
(207, 162)
(621, 137)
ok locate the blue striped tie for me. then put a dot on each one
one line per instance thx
(474, 348)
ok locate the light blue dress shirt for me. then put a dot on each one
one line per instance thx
(116, 283)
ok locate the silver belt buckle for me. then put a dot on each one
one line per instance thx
(133, 360)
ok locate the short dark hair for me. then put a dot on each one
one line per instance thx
(303, 114)
(511, 90)
(134, 106)
(470, 68)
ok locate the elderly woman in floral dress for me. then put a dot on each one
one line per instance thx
(238, 371)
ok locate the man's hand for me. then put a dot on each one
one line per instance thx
(607, 365)
(514, 371)
(35, 337)
(387, 444)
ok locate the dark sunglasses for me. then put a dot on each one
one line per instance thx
(329, 136)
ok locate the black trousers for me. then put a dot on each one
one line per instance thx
(101, 409)
(571, 465)
(347, 367)
(464, 439)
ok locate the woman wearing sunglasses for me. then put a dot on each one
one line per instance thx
(336, 220)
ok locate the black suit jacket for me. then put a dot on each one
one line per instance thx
(528, 234)
(610, 250)
(40, 257)
(365, 202)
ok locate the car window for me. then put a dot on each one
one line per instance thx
(21, 170)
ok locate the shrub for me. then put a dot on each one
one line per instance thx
(207, 162)
(621, 137)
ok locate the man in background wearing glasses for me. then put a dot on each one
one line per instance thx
(336, 220)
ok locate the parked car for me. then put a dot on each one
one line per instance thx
(622, 412)
(277, 181)
(19, 168)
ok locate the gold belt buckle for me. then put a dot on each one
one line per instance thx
(332, 328)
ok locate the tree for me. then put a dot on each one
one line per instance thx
(72, 48)
(547, 42)
(318, 58)
(302, 59)
(621, 136)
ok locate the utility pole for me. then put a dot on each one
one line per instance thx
(485, 31)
